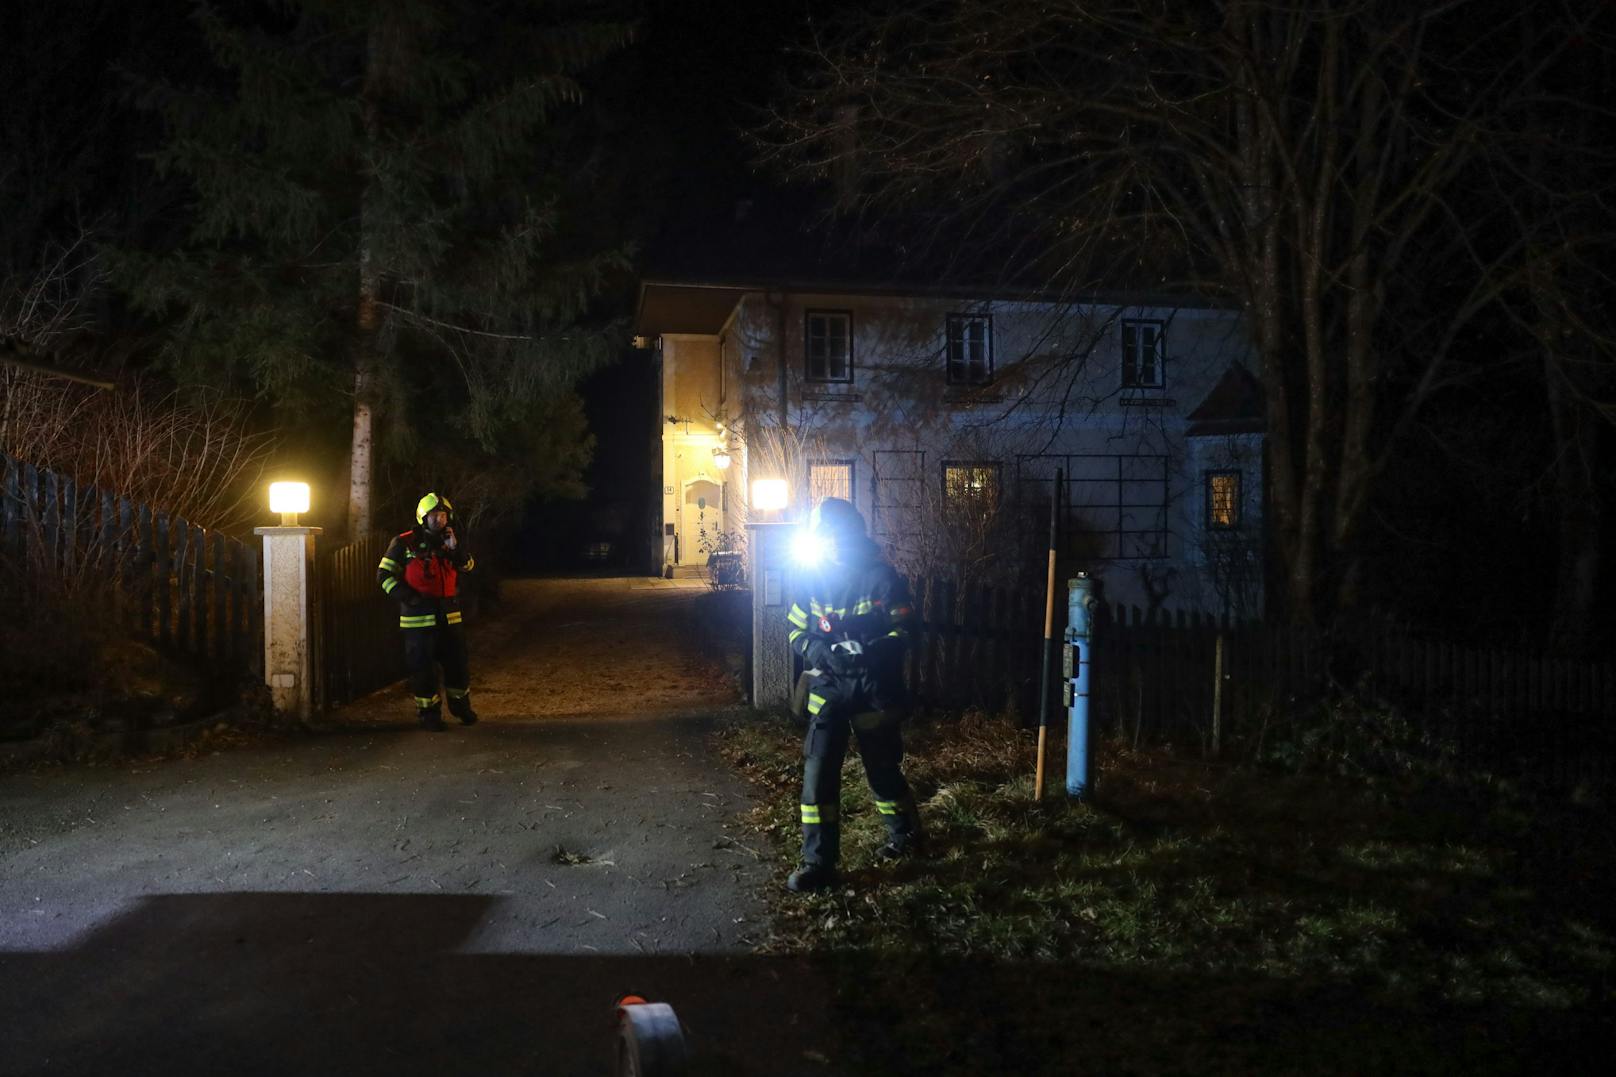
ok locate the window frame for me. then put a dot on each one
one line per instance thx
(808, 315)
(1239, 477)
(851, 463)
(960, 319)
(1129, 360)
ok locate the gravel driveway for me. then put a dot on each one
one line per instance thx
(381, 899)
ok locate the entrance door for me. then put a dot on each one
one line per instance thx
(700, 521)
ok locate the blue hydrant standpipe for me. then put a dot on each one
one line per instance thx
(1076, 660)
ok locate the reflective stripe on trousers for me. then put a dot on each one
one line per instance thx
(880, 742)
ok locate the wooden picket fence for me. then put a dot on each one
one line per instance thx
(975, 646)
(163, 578)
(1223, 688)
(357, 647)
(1216, 687)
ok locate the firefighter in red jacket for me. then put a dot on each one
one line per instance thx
(421, 569)
(849, 623)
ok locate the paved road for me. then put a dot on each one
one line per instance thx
(380, 899)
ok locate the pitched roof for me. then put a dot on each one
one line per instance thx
(1234, 406)
(786, 240)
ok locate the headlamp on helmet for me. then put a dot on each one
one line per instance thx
(833, 528)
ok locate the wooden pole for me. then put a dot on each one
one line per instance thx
(1049, 641)
(1217, 698)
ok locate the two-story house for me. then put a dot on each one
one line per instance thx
(944, 416)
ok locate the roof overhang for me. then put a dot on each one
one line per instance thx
(685, 307)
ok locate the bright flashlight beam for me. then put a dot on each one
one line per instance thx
(809, 549)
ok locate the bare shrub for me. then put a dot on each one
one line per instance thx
(52, 301)
(193, 456)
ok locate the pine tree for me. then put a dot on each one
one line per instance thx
(380, 225)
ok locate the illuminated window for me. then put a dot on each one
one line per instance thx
(970, 488)
(970, 349)
(1143, 355)
(1222, 500)
(830, 478)
(828, 345)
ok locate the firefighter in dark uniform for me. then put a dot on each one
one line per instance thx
(421, 569)
(849, 623)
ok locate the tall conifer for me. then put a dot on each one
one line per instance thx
(380, 224)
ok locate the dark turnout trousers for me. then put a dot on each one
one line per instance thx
(427, 647)
(880, 745)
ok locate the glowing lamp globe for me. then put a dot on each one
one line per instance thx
(768, 495)
(289, 499)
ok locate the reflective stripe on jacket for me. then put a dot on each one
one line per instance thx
(866, 601)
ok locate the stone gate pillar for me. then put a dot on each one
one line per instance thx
(769, 545)
(288, 610)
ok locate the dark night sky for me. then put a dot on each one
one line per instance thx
(671, 109)
(697, 75)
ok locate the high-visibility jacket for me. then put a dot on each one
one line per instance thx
(864, 600)
(424, 578)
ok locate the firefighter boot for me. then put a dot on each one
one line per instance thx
(900, 846)
(904, 836)
(429, 713)
(811, 877)
(460, 707)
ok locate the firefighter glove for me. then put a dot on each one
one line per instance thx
(846, 665)
(846, 659)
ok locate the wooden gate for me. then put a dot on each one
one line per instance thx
(357, 649)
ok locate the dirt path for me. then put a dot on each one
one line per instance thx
(380, 898)
(595, 647)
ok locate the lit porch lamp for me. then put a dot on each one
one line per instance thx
(289, 499)
(721, 458)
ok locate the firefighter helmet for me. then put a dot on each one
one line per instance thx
(836, 516)
(428, 504)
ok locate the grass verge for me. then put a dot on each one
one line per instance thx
(1198, 918)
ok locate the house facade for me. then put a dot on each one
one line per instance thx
(946, 417)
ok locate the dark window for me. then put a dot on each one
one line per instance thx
(970, 349)
(1222, 500)
(828, 345)
(1144, 354)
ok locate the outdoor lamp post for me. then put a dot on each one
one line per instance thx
(288, 600)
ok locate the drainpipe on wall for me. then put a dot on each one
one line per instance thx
(778, 301)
